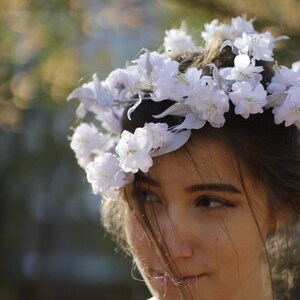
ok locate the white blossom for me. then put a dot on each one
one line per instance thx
(248, 99)
(238, 26)
(98, 99)
(121, 84)
(110, 119)
(157, 134)
(93, 94)
(88, 141)
(289, 110)
(166, 80)
(133, 150)
(210, 29)
(284, 79)
(214, 29)
(244, 70)
(258, 45)
(175, 86)
(177, 41)
(209, 102)
(296, 66)
(105, 175)
(147, 65)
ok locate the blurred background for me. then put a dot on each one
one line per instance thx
(52, 245)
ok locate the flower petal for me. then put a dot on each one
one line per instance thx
(275, 99)
(82, 93)
(191, 121)
(133, 108)
(177, 109)
(178, 140)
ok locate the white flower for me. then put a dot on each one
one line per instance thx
(147, 64)
(248, 99)
(289, 110)
(209, 102)
(93, 93)
(121, 84)
(177, 41)
(175, 86)
(93, 96)
(110, 119)
(236, 29)
(240, 25)
(87, 141)
(166, 81)
(133, 150)
(210, 30)
(258, 45)
(105, 175)
(244, 70)
(296, 66)
(215, 28)
(103, 96)
(98, 99)
(157, 134)
(284, 79)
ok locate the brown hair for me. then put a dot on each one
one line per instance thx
(270, 152)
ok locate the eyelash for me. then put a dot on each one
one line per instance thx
(202, 202)
(142, 194)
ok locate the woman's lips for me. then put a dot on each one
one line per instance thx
(168, 281)
(190, 279)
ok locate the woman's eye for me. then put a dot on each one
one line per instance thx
(210, 202)
(147, 196)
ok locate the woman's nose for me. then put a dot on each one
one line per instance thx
(175, 234)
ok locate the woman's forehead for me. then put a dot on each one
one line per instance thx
(206, 160)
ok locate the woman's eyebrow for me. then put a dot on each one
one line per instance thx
(219, 187)
(146, 179)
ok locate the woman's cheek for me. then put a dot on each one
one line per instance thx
(135, 233)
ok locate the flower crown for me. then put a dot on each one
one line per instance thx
(111, 156)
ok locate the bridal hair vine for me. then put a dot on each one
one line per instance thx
(111, 156)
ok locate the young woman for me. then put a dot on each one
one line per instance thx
(195, 152)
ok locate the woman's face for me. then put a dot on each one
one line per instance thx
(199, 211)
